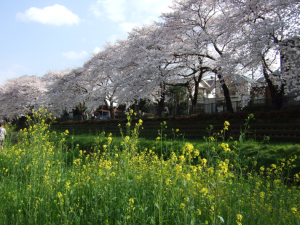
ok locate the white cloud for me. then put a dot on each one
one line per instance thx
(129, 12)
(95, 10)
(53, 15)
(75, 55)
(126, 11)
(127, 27)
(114, 10)
(96, 50)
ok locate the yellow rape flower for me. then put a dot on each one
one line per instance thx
(225, 147)
(226, 124)
(181, 158)
(167, 181)
(131, 201)
(182, 206)
(188, 177)
(239, 218)
(187, 148)
(204, 191)
(59, 195)
(199, 212)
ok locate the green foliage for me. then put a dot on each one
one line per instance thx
(124, 180)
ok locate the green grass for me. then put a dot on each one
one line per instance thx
(266, 154)
(126, 181)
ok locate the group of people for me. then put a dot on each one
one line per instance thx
(100, 116)
(85, 116)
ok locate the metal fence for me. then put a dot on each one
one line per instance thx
(265, 104)
(217, 106)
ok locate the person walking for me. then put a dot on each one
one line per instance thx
(2, 135)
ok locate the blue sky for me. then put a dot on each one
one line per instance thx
(41, 35)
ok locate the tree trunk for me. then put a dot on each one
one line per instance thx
(194, 97)
(161, 104)
(81, 108)
(135, 109)
(178, 100)
(110, 108)
(226, 94)
(112, 112)
(272, 88)
(161, 101)
(196, 91)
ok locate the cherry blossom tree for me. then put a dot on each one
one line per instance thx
(136, 68)
(104, 75)
(199, 24)
(158, 58)
(269, 37)
(198, 38)
(75, 87)
(149, 60)
(19, 96)
(66, 89)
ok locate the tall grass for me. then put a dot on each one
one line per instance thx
(43, 182)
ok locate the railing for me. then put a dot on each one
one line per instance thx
(214, 106)
(218, 106)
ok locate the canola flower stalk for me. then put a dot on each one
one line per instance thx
(128, 184)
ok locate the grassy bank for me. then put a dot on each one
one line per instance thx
(266, 153)
(132, 181)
